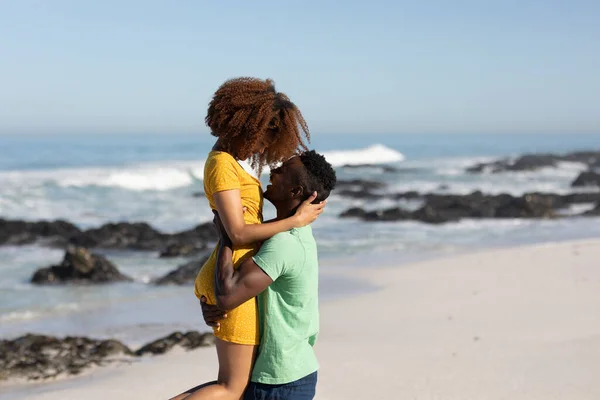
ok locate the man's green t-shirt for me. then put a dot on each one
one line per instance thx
(288, 308)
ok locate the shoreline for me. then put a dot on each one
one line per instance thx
(338, 285)
(518, 322)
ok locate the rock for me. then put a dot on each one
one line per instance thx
(578, 198)
(37, 357)
(360, 184)
(590, 158)
(411, 195)
(79, 266)
(183, 274)
(189, 340)
(21, 232)
(527, 206)
(528, 162)
(390, 214)
(587, 178)
(443, 208)
(431, 215)
(360, 189)
(122, 236)
(41, 357)
(532, 162)
(180, 249)
(355, 212)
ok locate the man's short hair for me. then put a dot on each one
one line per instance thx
(319, 175)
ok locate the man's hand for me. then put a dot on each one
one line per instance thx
(218, 224)
(308, 212)
(212, 314)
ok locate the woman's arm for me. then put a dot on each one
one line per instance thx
(229, 207)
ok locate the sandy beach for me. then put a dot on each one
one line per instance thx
(517, 323)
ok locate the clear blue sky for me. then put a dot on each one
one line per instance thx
(351, 66)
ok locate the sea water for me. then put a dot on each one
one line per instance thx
(94, 179)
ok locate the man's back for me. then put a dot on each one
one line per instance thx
(288, 308)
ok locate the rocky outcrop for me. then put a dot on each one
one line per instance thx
(444, 208)
(35, 357)
(81, 267)
(183, 274)
(359, 189)
(21, 232)
(123, 235)
(41, 357)
(181, 250)
(587, 178)
(532, 162)
(189, 341)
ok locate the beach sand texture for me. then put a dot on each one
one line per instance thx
(516, 323)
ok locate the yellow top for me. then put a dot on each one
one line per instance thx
(222, 172)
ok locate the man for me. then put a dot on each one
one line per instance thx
(284, 276)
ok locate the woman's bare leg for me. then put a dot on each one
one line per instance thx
(192, 390)
(235, 368)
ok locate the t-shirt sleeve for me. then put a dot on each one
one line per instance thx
(278, 255)
(220, 174)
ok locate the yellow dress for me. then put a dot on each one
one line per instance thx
(222, 172)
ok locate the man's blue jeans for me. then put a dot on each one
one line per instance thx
(302, 389)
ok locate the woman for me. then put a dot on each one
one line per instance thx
(254, 122)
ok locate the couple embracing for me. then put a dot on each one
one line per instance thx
(259, 287)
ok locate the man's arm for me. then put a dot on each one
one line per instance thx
(235, 286)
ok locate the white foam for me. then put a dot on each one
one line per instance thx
(169, 175)
(151, 176)
(375, 154)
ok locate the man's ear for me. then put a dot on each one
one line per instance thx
(297, 191)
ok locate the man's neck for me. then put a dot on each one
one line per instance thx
(286, 210)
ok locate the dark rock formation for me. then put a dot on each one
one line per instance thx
(444, 208)
(359, 189)
(411, 195)
(354, 212)
(531, 162)
(391, 214)
(181, 250)
(37, 357)
(189, 341)
(41, 357)
(22, 232)
(79, 266)
(123, 235)
(183, 274)
(587, 178)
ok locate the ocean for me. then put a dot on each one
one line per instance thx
(93, 179)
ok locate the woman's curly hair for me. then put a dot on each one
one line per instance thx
(246, 111)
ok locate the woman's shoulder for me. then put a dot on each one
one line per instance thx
(220, 155)
(220, 158)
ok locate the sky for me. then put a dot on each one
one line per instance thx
(149, 66)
